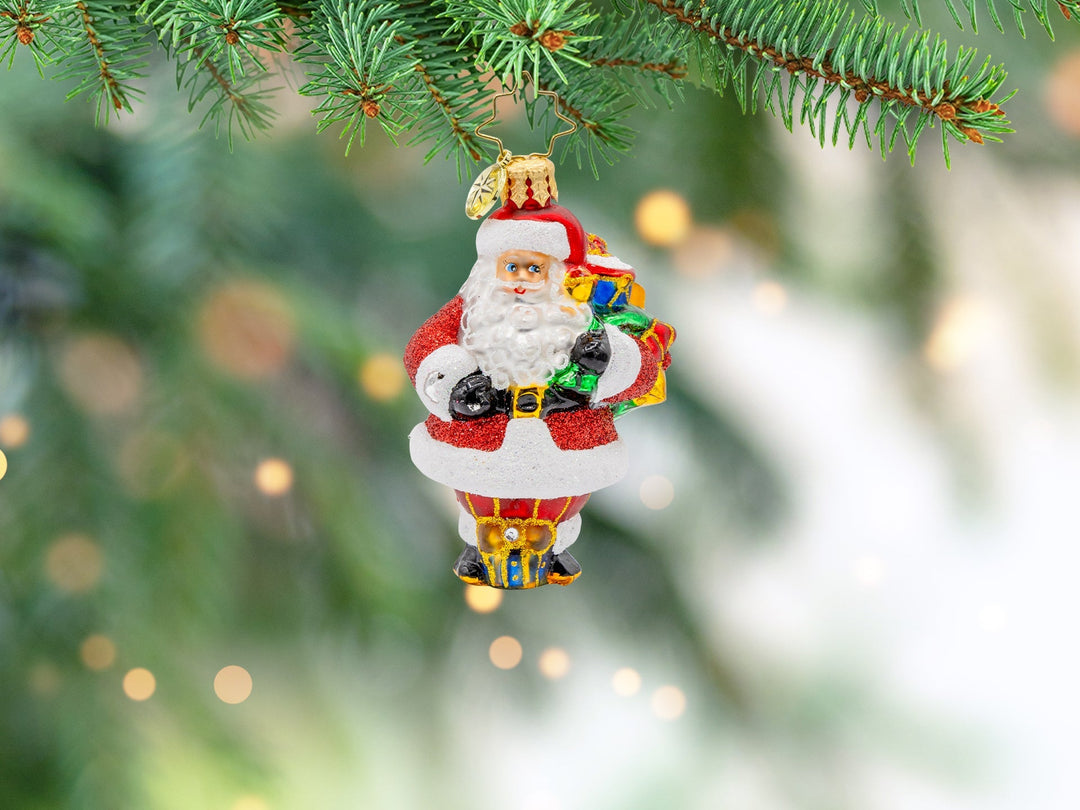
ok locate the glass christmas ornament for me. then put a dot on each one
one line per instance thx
(524, 372)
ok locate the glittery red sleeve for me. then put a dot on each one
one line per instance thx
(646, 378)
(439, 330)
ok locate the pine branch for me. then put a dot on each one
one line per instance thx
(457, 93)
(366, 56)
(99, 44)
(219, 48)
(101, 23)
(426, 68)
(512, 36)
(21, 23)
(869, 61)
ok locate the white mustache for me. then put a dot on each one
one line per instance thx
(523, 285)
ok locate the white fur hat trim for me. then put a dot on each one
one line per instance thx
(610, 262)
(528, 465)
(498, 235)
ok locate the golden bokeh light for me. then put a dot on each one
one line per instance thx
(656, 492)
(250, 802)
(483, 598)
(663, 218)
(770, 297)
(139, 684)
(705, 252)
(74, 563)
(1062, 94)
(382, 377)
(150, 462)
(274, 477)
(554, 663)
(246, 328)
(505, 652)
(626, 682)
(960, 327)
(14, 431)
(668, 702)
(3, 464)
(233, 684)
(97, 652)
(101, 374)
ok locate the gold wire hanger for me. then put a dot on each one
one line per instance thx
(485, 188)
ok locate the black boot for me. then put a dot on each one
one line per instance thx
(564, 569)
(470, 568)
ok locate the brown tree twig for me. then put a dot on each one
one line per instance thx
(465, 137)
(673, 70)
(114, 90)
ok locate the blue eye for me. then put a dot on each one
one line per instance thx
(534, 268)
(511, 267)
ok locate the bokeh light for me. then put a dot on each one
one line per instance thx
(139, 684)
(3, 464)
(868, 571)
(668, 702)
(505, 652)
(250, 802)
(74, 563)
(554, 663)
(233, 684)
(246, 329)
(656, 492)
(14, 431)
(101, 374)
(626, 682)
(770, 297)
(483, 598)
(960, 326)
(704, 252)
(274, 477)
(663, 218)
(382, 377)
(1062, 94)
(97, 652)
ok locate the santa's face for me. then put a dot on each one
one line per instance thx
(523, 271)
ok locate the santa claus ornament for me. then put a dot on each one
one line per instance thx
(524, 372)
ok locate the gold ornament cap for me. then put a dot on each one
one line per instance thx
(516, 178)
(530, 178)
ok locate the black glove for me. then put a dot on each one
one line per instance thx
(473, 397)
(592, 351)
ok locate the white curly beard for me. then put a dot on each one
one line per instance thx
(519, 339)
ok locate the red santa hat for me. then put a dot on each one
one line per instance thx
(530, 219)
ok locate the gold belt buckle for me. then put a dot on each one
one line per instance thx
(526, 401)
